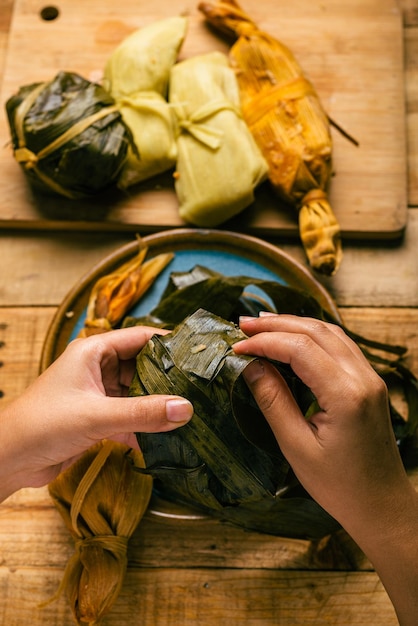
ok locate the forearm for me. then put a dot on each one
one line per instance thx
(389, 537)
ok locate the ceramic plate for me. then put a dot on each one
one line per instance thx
(229, 253)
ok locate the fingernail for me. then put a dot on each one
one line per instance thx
(266, 313)
(246, 318)
(254, 371)
(178, 410)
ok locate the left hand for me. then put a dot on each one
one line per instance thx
(79, 400)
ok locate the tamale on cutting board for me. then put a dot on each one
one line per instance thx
(352, 52)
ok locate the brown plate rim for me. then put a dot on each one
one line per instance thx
(248, 246)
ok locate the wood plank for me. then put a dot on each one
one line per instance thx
(41, 270)
(169, 597)
(222, 566)
(5, 19)
(409, 10)
(355, 60)
(168, 534)
(411, 86)
(23, 330)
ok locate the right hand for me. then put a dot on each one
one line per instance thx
(345, 455)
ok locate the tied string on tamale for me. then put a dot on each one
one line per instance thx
(260, 104)
(29, 160)
(101, 501)
(193, 123)
(145, 101)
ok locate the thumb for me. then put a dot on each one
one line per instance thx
(148, 414)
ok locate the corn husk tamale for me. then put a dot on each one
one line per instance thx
(136, 75)
(101, 501)
(68, 135)
(226, 460)
(114, 294)
(219, 164)
(290, 126)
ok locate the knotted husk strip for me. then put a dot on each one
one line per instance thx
(290, 126)
(114, 294)
(101, 501)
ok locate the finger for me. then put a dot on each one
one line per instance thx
(125, 342)
(330, 336)
(319, 370)
(278, 405)
(105, 417)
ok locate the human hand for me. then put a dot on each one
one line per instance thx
(345, 455)
(78, 401)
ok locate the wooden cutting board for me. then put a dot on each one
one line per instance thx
(352, 52)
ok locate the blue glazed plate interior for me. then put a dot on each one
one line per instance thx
(184, 260)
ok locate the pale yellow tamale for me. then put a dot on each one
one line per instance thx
(219, 164)
(136, 75)
(289, 124)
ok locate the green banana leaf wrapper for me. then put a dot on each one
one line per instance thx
(226, 460)
(68, 135)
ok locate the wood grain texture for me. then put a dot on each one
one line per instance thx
(201, 571)
(41, 270)
(353, 52)
(411, 87)
(174, 597)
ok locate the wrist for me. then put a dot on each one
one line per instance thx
(11, 452)
(388, 535)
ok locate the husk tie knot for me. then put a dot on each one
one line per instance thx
(193, 123)
(112, 543)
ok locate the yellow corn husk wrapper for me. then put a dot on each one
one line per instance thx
(101, 500)
(219, 164)
(114, 294)
(136, 75)
(290, 126)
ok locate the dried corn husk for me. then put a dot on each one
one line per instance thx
(101, 501)
(114, 294)
(68, 135)
(137, 75)
(290, 126)
(219, 164)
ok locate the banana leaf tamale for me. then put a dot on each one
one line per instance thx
(219, 164)
(290, 126)
(68, 135)
(137, 75)
(226, 460)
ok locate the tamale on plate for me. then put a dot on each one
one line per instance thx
(226, 459)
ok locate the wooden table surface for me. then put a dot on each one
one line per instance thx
(199, 572)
